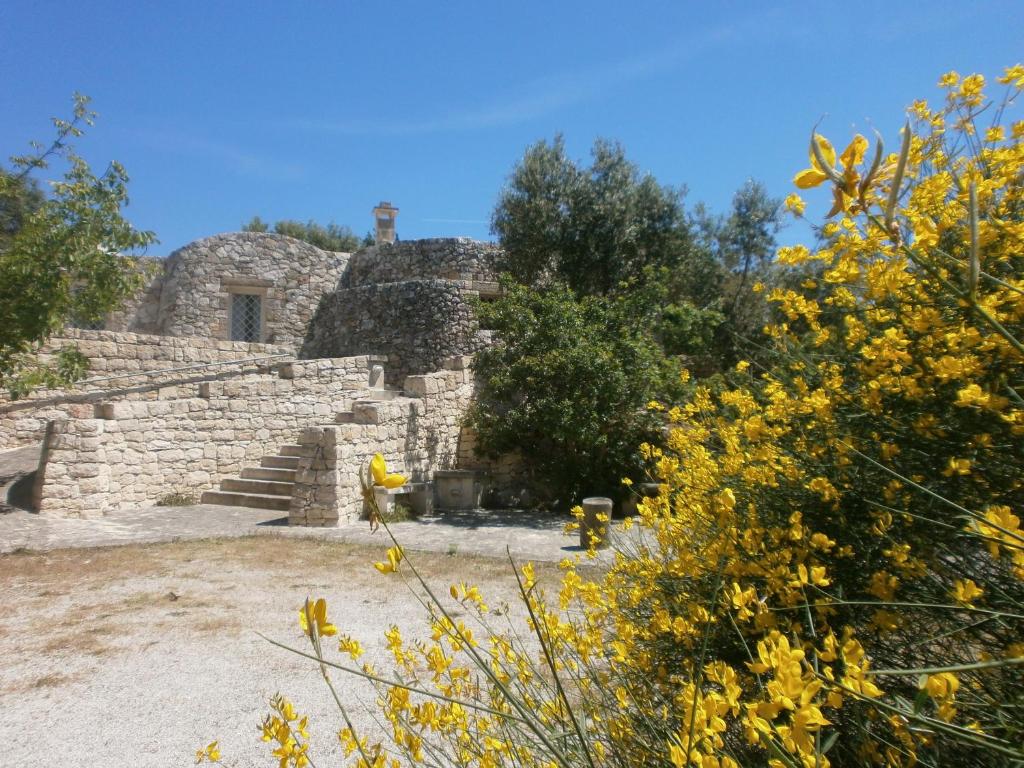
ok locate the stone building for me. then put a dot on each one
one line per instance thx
(254, 287)
(257, 369)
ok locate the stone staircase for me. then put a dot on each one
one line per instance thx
(268, 486)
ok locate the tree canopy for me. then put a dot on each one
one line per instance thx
(743, 245)
(590, 227)
(66, 255)
(329, 237)
(567, 387)
(611, 289)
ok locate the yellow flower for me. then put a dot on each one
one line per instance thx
(965, 591)
(211, 753)
(379, 470)
(795, 204)
(395, 555)
(815, 175)
(941, 685)
(1014, 76)
(995, 134)
(314, 615)
(351, 646)
(957, 466)
(845, 190)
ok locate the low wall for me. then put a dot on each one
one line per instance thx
(136, 451)
(125, 356)
(416, 435)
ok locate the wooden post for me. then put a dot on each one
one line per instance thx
(594, 532)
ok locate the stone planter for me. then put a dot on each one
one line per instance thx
(458, 488)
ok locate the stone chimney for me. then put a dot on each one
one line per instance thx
(384, 217)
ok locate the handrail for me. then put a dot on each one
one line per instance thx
(157, 371)
(59, 396)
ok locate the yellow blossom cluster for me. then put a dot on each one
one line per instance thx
(832, 572)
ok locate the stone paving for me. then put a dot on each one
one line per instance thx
(481, 532)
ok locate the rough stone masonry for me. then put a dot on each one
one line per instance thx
(175, 401)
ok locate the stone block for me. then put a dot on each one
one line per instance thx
(113, 411)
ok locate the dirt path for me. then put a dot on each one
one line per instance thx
(136, 655)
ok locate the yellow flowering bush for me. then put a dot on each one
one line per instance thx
(832, 572)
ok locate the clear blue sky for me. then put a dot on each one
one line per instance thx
(319, 109)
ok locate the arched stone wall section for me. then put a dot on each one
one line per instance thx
(416, 323)
(458, 259)
(288, 276)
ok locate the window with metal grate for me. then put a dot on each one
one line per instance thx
(88, 325)
(245, 317)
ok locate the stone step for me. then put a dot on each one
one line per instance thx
(267, 473)
(365, 412)
(381, 395)
(345, 417)
(280, 462)
(290, 450)
(260, 487)
(259, 501)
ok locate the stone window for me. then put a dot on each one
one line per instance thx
(88, 325)
(246, 317)
(82, 323)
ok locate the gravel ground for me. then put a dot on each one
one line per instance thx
(136, 655)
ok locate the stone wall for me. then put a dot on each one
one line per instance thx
(125, 356)
(417, 435)
(141, 312)
(289, 275)
(417, 324)
(457, 258)
(135, 452)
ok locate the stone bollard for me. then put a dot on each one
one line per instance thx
(592, 530)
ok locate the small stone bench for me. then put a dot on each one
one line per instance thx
(419, 497)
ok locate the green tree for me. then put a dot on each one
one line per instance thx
(567, 387)
(332, 237)
(62, 256)
(256, 224)
(743, 244)
(608, 292)
(21, 197)
(593, 227)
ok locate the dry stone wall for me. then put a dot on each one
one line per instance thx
(456, 258)
(411, 301)
(416, 434)
(135, 438)
(141, 312)
(417, 324)
(288, 274)
(116, 362)
(135, 452)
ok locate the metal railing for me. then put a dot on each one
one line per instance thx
(158, 371)
(70, 395)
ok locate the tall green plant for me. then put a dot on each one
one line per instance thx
(567, 386)
(63, 256)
